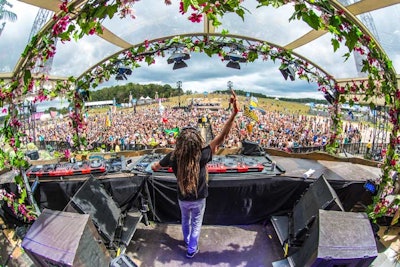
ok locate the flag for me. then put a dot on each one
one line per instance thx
(161, 108)
(108, 121)
(250, 113)
(173, 131)
(253, 101)
(262, 111)
(253, 104)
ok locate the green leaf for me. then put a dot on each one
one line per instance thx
(335, 44)
(240, 12)
(224, 32)
(18, 180)
(252, 55)
(101, 11)
(312, 19)
(27, 76)
(23, 195)
(112, 10)
(187, 3)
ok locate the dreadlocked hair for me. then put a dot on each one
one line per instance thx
(188, 153)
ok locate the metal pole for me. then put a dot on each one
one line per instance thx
(179, 85)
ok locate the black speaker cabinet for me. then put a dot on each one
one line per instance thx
(319, 195)
(59, 238)
(93, 199)
(337, 239)
(32, 154)
(293, 229)
(250, 148)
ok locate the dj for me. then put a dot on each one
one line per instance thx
(188, 161)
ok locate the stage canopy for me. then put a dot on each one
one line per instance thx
(153, 20)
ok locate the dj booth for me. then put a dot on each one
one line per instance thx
(235, 197)
(243, 189)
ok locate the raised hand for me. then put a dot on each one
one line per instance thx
(234, 101)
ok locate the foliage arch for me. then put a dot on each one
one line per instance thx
(77, 19)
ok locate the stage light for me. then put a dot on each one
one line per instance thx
(120, 77)
(233, 64)
(179, 65)
(121, 74)
(84, 94)
(178, 58)
(234, 58)
(287, 71)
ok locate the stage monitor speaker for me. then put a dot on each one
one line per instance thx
(319, 195)
(32, 154)
(59, 238)
(250, 148)
(93, 199)
(342, 239)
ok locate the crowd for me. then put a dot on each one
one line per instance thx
(121, 129)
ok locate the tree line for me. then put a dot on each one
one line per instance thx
(121, 93)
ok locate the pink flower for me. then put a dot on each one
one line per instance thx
(92, 31)
(67, 153)
(196, 17)
(181, 8)
(60, 26)
(63, 6)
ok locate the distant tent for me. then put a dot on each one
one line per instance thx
(45, 117)
(53, 114)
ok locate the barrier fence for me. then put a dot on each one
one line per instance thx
(352, 149)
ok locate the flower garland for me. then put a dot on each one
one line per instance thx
(75, 23)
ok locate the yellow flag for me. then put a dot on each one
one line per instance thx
(108, 122)
(250, 113)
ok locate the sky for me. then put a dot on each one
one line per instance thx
(203, 73)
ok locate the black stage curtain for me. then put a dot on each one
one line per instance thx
(234, 199)
(55, 195)
(245, 199)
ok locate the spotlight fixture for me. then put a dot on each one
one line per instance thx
(179, 65)
(233, 64)
(84, 94)
(121, 74)
(234, 58)
(287, 71)
(178, 58)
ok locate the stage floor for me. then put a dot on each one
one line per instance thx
(244, 245)
(247, 245)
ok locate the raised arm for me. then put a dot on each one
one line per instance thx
(219, 139)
